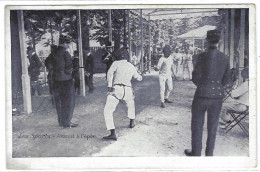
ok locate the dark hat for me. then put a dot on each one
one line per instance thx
(213, 36)
(54, 46)
(109, 44)
(76, 52)
(64, 39)
(29, 48)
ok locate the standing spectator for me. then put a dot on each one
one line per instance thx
(89, 70)
(134, 60)
(210, 75)
(34, 70)
(50, 69)
(190, 64)
(195, 57)
(75, 72)
(63, 87)
(186, 71)
(108, 57)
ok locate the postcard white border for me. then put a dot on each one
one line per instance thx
(116, 163)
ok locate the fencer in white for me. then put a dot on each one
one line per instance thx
(166, 70)
(120, 89)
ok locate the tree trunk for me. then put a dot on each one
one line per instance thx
(52, 42)
(33, 40)
(125, 25)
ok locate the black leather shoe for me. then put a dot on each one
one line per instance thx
(110, 137)
(71, 126)
(188, 152)
(167, 101)
(132, 123)
(162, 105)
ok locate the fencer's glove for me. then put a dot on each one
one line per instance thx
(110, 89)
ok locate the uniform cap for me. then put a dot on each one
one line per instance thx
(213, 36)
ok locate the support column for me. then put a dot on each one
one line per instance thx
(203, 45)
(81, 60)
(232, 37)
(141, 23)
(193, 45)
(129, 36)
(149, 48)
(241, 45)
(109, 26)
(227, 33)
(222, 40)
(25, 76)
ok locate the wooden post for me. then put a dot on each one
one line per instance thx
(109, 27)
(203, 45)
(193, 45)
(222, 40)
(226, 33)
(81, 60)
(241, 45)
(125, 25)
(149, 45)
(141, 23)
(232, 37)
(129, 36)
(25, 76)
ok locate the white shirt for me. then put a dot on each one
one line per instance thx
(241, 93)
(121, 72)
(165, 66)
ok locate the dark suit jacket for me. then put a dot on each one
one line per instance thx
(89, 63)
(211, 73)
(34, 68)
(62, 65)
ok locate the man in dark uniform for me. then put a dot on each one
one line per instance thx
(211, 73)
(34, 70)
(75, 72)
(108, 58)
(50, 70)
(89, 70)
(63, 83)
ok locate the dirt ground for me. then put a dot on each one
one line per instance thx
(158, 132)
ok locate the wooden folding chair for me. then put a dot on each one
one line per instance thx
(237, 118)
(47, 99)
(229, 89)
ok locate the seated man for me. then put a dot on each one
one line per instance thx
(239, 101)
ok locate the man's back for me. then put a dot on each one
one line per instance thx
(211, 73)
(121, 72)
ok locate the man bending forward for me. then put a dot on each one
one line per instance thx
(120, 89)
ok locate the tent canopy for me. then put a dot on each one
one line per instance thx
(199, 33)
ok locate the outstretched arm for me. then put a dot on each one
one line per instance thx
(137, 76)
(159, 65)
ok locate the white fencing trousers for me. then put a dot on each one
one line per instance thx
(165, 80)
(120, 93)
